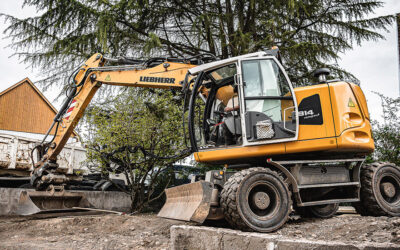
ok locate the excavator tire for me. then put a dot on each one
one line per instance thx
(256, 199)
(320, 211)
(360, 209)
(380, 190)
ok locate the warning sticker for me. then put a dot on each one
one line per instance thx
(351, 103)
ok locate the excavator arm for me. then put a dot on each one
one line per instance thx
(88, 79)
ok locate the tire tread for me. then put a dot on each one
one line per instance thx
(228, 197)
(369, 205)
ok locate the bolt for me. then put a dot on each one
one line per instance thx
(93, 77)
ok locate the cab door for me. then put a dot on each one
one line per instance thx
(268, 103)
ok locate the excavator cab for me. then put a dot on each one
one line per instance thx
(242, 101)
(236, 103)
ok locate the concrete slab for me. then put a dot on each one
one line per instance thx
(346, 210)
(108, 200)
(198, 237)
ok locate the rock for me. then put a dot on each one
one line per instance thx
(396, 222)
(395, 237)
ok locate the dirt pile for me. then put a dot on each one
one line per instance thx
(148, 231)
(346, 228)
(87, 232)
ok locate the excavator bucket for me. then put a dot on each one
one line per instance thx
(188, 202)
(33, 202)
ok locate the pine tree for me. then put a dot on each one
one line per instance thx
(310, 33)
(387, 131)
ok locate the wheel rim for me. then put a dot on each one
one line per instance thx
(263, 200)
(389, 188)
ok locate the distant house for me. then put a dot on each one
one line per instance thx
(25, 111)
(25, 117)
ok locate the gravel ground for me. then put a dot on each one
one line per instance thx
(146, 231)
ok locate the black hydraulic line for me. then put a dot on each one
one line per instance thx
(33, 150)
(57, 119)
(55, 133)
(48, 131)
(197, 59)
(65, 105)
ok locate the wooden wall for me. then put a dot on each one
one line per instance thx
(23, 109)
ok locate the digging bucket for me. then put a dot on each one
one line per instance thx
(33, 202)
(188, 202)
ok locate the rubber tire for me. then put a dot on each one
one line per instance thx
(231, 196)
(371, 201)
(316, 212)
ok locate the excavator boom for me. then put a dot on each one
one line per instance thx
(47, 178)
(167, 75)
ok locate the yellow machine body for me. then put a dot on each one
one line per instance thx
(243, 113)
(346, 128)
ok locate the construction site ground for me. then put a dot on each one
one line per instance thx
(147, 231)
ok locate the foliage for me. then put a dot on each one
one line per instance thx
(308, 32)
(387, 133)
(135, 136)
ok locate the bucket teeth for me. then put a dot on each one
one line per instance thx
(189, 202)
(33, 202)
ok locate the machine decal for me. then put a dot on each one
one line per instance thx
(70, 109)
(351, 103)
(157, 79)
(310, 111)
(108, 78)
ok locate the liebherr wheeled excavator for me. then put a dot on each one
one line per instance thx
(281, 148)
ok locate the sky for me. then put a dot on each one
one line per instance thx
(375, 64)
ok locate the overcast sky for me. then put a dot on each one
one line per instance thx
(375, 64)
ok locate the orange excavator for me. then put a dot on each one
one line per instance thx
(281, 148)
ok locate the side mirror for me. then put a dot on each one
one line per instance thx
(321, 74)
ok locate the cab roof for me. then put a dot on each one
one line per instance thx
(223, 62)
